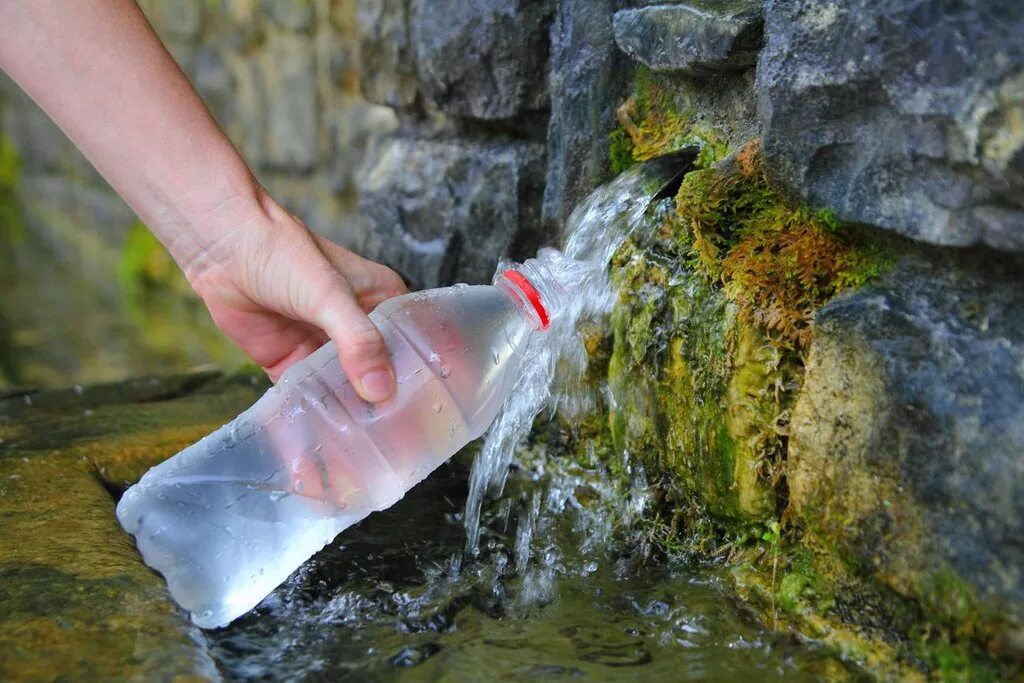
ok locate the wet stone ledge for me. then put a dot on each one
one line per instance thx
(76, 602)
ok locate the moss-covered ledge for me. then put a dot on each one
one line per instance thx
(784, 380)
(76, 602)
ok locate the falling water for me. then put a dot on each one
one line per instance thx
(553, 583)
(576, 281)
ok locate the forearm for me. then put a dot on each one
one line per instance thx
(97, 68)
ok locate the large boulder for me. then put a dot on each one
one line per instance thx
(443, 211)
(907, 441)
(908, 115)
(483, 60)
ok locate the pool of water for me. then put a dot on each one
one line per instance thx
(554, 593)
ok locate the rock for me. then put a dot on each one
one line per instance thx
(294, 15)
(76, 221)
(353, 124)
(483, 60)
(246, 122)
(900, 114)
(213, 81)
(78, 604)
(443, 211)
(906, 441)
(388, 69)
(287, 67)
(181, 20)
(696, 38)
(41, 146)
(587, 81)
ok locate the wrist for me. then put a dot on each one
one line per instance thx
(202, 228)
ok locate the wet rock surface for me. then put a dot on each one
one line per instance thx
(907, 438)
(75, 600)
(696, 38)
(439, 211)
(903, 115)
(587, 79)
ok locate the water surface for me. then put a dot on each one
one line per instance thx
(551, 595)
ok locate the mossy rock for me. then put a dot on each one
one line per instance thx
(798, 472)
(76, 601)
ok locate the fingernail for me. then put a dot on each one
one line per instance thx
(377, 385)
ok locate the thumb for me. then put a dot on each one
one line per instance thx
(364, 355)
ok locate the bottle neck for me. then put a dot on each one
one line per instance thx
(534, 289)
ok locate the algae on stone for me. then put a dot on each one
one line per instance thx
(655, 120)
(76, 602)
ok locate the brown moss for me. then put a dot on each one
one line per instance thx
(653, 122)
(779, 263)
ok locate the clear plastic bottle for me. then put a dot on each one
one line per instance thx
(229, 518)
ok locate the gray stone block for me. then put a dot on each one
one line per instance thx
(287, 69)
(294, 15)
(907, 442)
(388, 69)
(587, 82)
(483, 60)
(901, 114)
(245, 120)
(697, 38)
(446, 211)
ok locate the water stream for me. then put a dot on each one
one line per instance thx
(540, 572)
(576, 288)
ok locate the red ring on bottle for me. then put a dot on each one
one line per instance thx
(532, 295)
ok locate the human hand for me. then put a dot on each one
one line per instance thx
(280, 291)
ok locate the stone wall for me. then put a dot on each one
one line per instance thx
(282, 78)
(834, 409)
(846, 427)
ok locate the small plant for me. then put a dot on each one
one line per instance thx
(772, 536)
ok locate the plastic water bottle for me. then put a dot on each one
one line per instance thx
(226, 520)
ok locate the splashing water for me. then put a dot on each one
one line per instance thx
(551, 585)
(576, 286)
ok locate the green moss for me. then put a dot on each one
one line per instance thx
(10, 167)
(655, 121)
(709, 337)
(158, 299)
(778, 263)
(145, 264)
(620, 151)
(696, 391)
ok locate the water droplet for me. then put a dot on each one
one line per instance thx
(79, 389)
(496, 356)
(445, 372)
